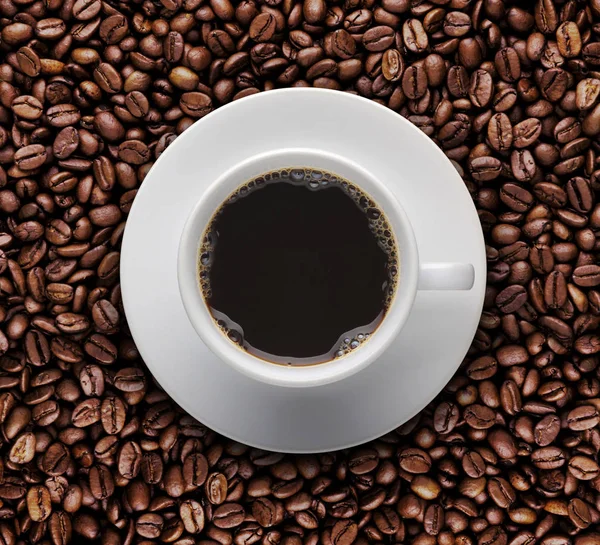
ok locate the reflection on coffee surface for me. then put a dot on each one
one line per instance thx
(298, 266)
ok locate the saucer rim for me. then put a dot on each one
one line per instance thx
(155, 369)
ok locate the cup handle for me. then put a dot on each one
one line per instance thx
(446, 276)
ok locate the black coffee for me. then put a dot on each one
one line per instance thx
(298, 266)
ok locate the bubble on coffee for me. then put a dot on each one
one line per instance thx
(311, 181)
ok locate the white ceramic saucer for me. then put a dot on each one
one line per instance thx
(419, 362)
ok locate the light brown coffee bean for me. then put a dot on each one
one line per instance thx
(38, 503)
(60, 528)
(414, 36)
(568, 39)
(216, 488)
(500, 132)
(192, 515)
(392, 65)
(546, 17)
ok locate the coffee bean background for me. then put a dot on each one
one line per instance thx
(92, 450)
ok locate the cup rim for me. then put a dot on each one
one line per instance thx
(234, 355)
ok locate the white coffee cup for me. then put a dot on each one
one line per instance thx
(413, 275)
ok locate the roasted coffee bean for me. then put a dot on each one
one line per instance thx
(378, 38)
(134, 152)
(129, 460)
(481, 88)
(101, 482)
(414, 36)
(503, 444)
(86, 413)
(501, 492)
(107, 78)
(457, 81)
(485, 169)
(63, 115)
(583, 418)
(414, 82)
(91, 379)
(555, 290)
(453, 133)
(38, 503)
(265, 512)
(130, 379)
(216, 488)
(479, 417)
(137, 104)
(511, 299)
(580, 194)
(192, 515)
(314, 11)
(508, 64)
(228, 515)
(546, 17)
(149, 525)
(27, 107)
(473, 464)
(553, 84)
(568, 39)
(587, 275)
(363, 461)
(60, 528)
(113, 413)
(392, 65)
(587, 93)
(196, 104)
(500, 132)
(29, 61)
(344, 532)
(152, 468)
(583, 468)
(69, 322)
(30, 157)
(113, 29)
(195, 472)
(516, 197)
(263, 27)
(445, 417)
(526, 132)
(548, 458)
(58, 232)
(546, 430)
